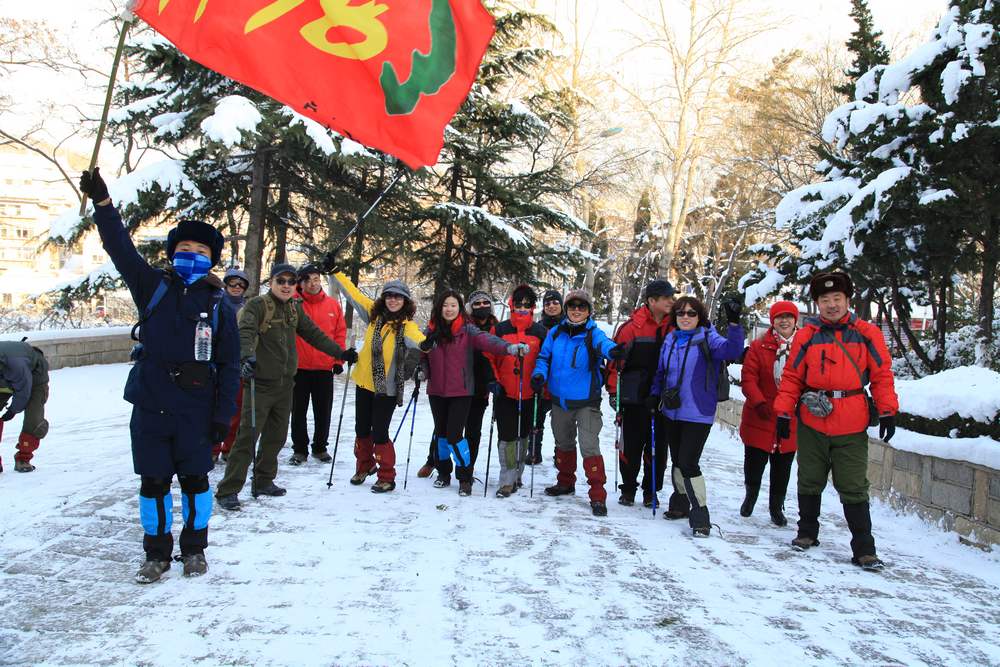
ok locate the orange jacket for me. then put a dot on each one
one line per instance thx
(518, 329)
(817, 362)
(326, 312)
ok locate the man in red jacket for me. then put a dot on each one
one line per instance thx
(832, 358)
(314, 377)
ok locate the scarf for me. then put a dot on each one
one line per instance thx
(684, 337)
(191, 266)
(784, 347)
(378, 361)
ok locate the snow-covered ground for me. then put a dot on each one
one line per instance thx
(423, 577)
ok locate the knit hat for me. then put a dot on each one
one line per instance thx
(552, 294)
(279, 269)
(478, 295)
(308, 268)
(199, 232)
(783, 308)
(523, 293)
(580, 295)
(396, 287)
(657, 288)
(233, 272)
(832, 281)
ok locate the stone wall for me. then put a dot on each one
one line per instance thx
(963, 497)
(80, 347)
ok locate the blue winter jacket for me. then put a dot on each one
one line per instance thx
(168, 335)
(700, 383)
(572, 372)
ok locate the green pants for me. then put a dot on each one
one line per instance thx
(273, 402)
(845, 455)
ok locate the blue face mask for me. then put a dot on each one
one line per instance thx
(191, 266)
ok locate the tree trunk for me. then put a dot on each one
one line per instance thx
(281, 225)
(440, 277)
(987, 291)
(902, 309)
(254, 249)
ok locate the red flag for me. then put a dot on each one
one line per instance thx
(387, 73)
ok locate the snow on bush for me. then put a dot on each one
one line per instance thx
(234, 114)
(972, 392)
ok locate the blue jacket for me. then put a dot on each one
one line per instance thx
(573, 372)
(168, 335)
(700, 383)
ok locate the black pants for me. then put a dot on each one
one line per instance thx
(686, 441)
(450, 415)
(544, 408)
(372, 414)
(317, 386)
(473, 430)
(754, 462)
(506, 413)
(637, 443)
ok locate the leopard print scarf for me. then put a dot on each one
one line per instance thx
(378, 361)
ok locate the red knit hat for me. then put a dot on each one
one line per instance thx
(783, 308)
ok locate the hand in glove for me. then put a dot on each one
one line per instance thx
(248, 365)
(428, 343)
(329, 263)
(764, 411)
(784, 427)
(618, 352)
(338, 369)
(92, 185)
(518, 349)
(733, 309)
(537, 382)
(886, 427)
(349, 356)
(419, 374)
(219, 432)
(495, 388)
(652, 403)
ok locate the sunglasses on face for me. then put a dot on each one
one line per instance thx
(553, 301)
(686, 313)
(236, 285)
(524, 305)
(393, 297)
(481, 304)
(576, 305)
(285, 281)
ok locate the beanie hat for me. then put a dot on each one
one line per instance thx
(657, 288)
(396, 287)
(199, 232)
(832, 281)
(552, 294)
(278, 269)
(523, 293)
(233, 272)
(308, 268)
(478, 295)
(783, 308)
(580, 295)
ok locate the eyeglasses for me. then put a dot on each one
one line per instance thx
(284, 281)
(577, 305)
(394, 297)
(236, 284)
(524, 305)
(686, 313)
(481, 304)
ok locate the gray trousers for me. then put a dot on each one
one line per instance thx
(584, 423)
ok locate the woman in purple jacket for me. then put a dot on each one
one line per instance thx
(448, 366)
(685, 389)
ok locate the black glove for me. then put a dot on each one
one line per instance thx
(219, 432)
(92, 185)
(613, 401)
(427, 344)
(652, 403)
(338, 369)
(248, 365)
(886, 427)
(618, 352)
(419, 374)
(349, 356)
(7, 416)
(784, 427)
(329, 263)
(495, 388)
(537, 382)
(732, 308)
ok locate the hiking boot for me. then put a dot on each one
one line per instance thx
(151, 571)
(505, 491)
(383, 487)
(195, 565)
(425, 471)
(701, 531)
(230, 502)
(673, 515)
(778, 516)
(647, 500)
(627, 499)
(870, 563)
(442, 482)
(598, 508)
(23, 466)
(557, 490)
(322, 456)
(465, 488)
(269, 489)
(360, 477)
(297, 459)
(518, 485)
(803, 542)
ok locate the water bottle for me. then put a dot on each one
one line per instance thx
(203, 339)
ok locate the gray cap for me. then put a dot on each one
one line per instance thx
(278, 269)
(396, 287)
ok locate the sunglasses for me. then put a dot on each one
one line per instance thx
(285, 281)
(393, 296)
(481, 304)
(549, 302)
(236, 284)
(577, 305)
(524, 305)
(686, 313)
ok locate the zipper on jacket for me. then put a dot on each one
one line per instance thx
(822, 362)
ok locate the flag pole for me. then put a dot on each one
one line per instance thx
(107, 105)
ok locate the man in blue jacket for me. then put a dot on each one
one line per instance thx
(570, 361)
(182, 391)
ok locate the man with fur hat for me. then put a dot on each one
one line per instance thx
(24, 383)
(182, 402)
(832, 359)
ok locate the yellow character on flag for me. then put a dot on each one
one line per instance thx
(336, 13)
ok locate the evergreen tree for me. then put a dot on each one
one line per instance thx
(640, 266)
(866, 45)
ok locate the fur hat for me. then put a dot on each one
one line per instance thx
(396, 287)
(580, 295)
(199, 232)
(783, 308)
(657, 288)
(832, 281)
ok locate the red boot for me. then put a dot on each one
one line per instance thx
(593, 467)
(26, 446)
(385, 454)
(364, 454)
(566, 479)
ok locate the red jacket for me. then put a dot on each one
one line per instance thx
(518, 329)
(759, 388)
(817, 362)
(644, 338)
(326, 312)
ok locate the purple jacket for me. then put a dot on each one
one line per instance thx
(450, 365)
(698, 401)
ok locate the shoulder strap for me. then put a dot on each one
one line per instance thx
(861, 378)
(158, 294)
(265, 324)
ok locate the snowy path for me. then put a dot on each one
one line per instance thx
(423, 577)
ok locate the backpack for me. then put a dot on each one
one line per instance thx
(722, 393)
(269, 311)
(154, 301)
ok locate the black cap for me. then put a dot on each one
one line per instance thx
(278, 269)
(199, 232)
(523, 293)
(552, 294)
(657, 288)
(308, 268)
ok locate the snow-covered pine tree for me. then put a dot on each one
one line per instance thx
(865, 45)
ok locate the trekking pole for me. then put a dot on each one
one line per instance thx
(489, 447)
(536, 432)
(340, 422)
(618, 426)
(403, 420)
(520, 392)
(652, 473)
(413, 421)
(253, 430)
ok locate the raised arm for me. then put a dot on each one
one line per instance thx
(359, 300)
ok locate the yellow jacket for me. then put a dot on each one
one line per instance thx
(362, 374)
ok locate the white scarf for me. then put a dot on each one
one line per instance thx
(784, 346)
